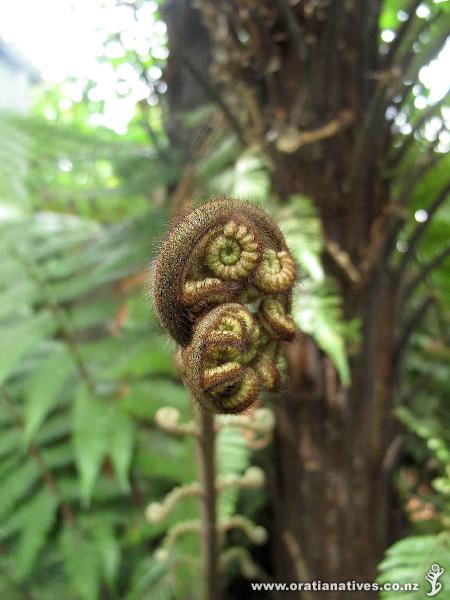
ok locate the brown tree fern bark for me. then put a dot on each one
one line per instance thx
(307, 84)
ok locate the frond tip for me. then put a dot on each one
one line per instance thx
(222, 288)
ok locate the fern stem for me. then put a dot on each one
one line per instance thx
(423, 274)
(420, 230)
(211, 91)
(207, 477)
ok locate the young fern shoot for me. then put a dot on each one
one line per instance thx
(222, 288)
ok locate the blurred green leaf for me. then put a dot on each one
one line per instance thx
(108, 548)
(317, 313)
(81, 561)
(43, 389)
(121, 444)
(16, 483)
(233, 456)
(91, 438)
(17, 340)
(38, 519)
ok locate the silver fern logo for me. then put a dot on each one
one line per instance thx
(432, 577)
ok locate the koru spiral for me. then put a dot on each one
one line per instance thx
(222, 288)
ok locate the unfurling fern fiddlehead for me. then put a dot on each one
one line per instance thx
(222, 288)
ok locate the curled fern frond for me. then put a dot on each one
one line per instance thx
(222, 288)
(218, 359)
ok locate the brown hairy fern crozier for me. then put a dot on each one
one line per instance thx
(222, 288)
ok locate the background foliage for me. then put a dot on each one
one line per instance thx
(84, 367)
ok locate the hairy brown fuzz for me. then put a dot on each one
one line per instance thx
(222, 288)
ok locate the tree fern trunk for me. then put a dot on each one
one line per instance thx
(333, 493)
(309, 88)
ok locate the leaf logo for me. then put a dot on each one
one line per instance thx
(432, 577)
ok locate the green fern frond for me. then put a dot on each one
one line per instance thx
(409, 560)
(233, 457)
(317, 312)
